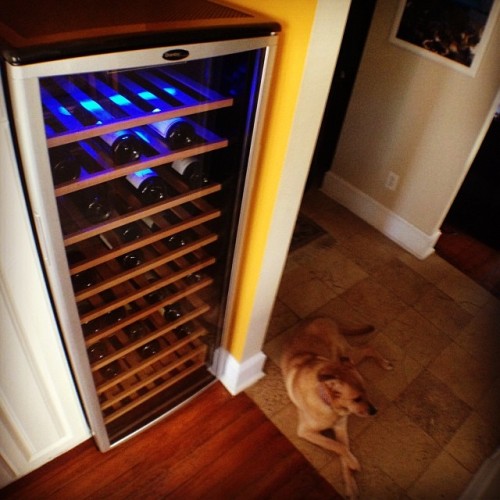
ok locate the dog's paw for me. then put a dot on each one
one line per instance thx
(386, 364)
(351, 489)
(352, 462)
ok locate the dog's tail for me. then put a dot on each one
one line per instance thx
(356, 330)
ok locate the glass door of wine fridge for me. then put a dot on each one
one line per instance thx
(136, 170)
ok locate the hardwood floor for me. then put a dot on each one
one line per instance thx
(216, 446)
(474, 258)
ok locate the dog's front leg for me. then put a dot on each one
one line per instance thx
(341, 434)
(315, 437)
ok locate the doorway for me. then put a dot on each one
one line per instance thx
(349, 58)
(470, 237)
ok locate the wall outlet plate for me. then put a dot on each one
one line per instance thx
(392, 181)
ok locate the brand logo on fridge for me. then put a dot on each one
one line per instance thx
(175, 54)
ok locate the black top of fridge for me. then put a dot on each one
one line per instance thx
(32, 32)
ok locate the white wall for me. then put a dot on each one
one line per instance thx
(417, 118)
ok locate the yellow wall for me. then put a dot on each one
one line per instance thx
(296, 18)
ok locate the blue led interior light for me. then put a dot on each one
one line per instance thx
(95, 108)
(143, 136)
(91, 106)
(164, 86)
(63, 111)
(147, 96)
(143, 173)
(120, 100)
(144, 94)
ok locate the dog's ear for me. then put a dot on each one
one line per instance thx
(326, 376)
(327, 393)
(327, 373)
(326, 388)
(346, 360)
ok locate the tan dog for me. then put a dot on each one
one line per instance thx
(319, 369)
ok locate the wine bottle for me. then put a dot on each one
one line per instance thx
(125, 146)
(92, 327)
(177, 133)
(129, 260)
(115, 315)
(96, 352)
(131, 231)
(149, 186)
(159, 294)
(156, 296)
(111, 370)
(83, 279)
(104, 321)
(193, 278)
(175, 241)
(93, 203)
(149, 349)
(192, 171)
(182, 331)
(95, 325)
(64, 165)
(172, 312)
(135, 331)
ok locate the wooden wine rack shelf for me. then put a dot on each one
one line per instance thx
(103, 254)
(171, 348)
(129, 347)
(104, 170)
(77, 111)
(93, 105)
(84, 231)
(197, 362)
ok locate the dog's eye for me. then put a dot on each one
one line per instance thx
(358, 399)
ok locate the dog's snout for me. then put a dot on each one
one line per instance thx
(372, 410)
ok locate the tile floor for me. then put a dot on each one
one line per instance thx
(439, 409)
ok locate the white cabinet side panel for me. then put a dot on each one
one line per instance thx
(40, 413)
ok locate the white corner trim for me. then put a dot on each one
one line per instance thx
(236, 376)
(390, 224)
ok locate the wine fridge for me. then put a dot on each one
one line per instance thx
(137, 149)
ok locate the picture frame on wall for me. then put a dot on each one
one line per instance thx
(450, 32)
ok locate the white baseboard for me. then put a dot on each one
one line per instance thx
(236, 376)
(486, 483)
(412, 239)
